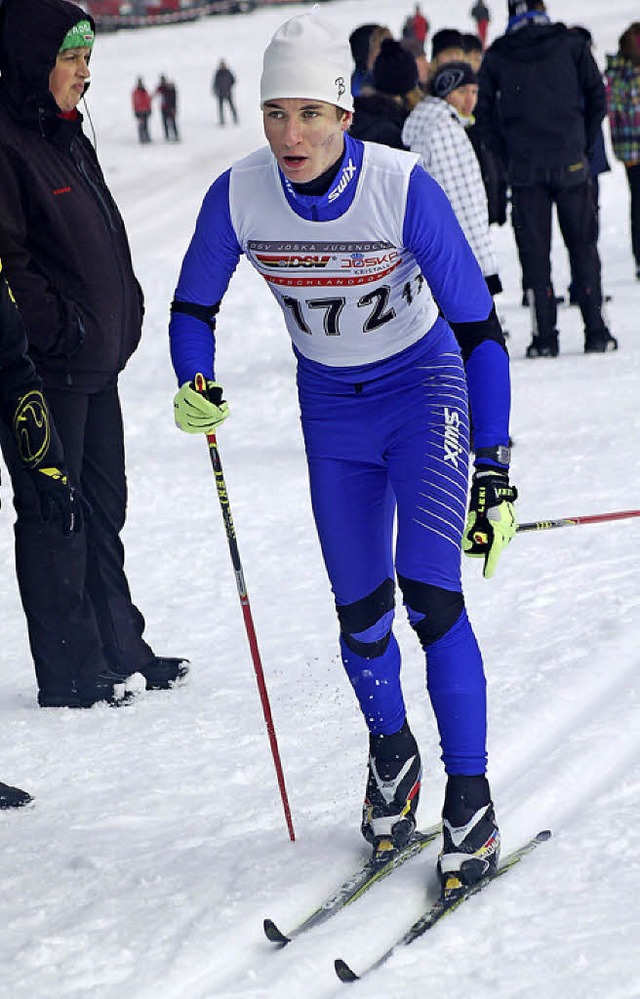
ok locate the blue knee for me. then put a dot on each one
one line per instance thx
(432, 611)
(365, 625)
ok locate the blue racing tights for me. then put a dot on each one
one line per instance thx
(388, 444)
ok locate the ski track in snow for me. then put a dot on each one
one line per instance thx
(157, 843)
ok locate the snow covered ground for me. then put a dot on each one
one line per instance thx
(157, 842)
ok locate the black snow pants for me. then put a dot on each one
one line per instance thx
(74, 591)
(532, 204)
(633, 177)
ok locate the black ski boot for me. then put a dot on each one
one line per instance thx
(599, 341)
(471, 839)
(544, 346)
(13, 797)
(163, 672)
(107, 687)
(393, 791)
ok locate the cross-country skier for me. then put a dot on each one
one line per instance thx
(358, 244)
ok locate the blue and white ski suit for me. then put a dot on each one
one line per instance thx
(383, 398)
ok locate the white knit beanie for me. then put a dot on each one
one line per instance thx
(307, 59)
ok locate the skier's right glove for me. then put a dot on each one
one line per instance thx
(200, 410)
(491, 521)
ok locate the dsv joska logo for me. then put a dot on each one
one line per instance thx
(31, 428)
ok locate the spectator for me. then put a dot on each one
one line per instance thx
(481, 15)
(384, 409)
(166, 91)
(494, 174)
(380, 115)
(473, 51)
(540, 107)
(416, 26)
(623, 108)
(436, 130)
(141, 101)
(67, 257)
(359, 45)
(598, 164)
(376, 38)
(447, 45)
(222, 85)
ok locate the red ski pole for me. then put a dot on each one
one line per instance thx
(246, 611)
(596, 518)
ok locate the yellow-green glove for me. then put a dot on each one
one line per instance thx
(491, 521)
(200, 412)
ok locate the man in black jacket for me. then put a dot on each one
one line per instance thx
(540, 104)
(66, 255)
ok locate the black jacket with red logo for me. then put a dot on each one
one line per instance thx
(62, 240)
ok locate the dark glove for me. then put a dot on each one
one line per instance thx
(491, 521)
(494, 284)
(59, 500)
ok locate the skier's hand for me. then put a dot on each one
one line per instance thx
(59, 500)
(491, 521)
(200, 410)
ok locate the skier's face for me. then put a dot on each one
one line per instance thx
(306, 136)
(69, 76)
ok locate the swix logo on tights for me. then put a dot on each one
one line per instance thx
(452, 447)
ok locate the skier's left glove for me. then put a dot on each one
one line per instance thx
(59, 500)
(491, 521)
(199, 410)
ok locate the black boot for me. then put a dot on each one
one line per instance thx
(107, 687)
(393, 791)
(13, 797)
(544, 346)
(471, 839)
(599, 341)
(163, 672)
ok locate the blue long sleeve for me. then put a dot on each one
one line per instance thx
(207, 268)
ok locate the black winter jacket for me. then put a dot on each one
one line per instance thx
(549, 97)
(62, 239)
(378, 118)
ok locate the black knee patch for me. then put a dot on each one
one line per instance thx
(441, 608)
(362, 614)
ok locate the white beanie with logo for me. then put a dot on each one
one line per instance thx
(306, 59)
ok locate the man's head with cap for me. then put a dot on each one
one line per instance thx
(308, 58)
(305, 95)
(395, 70)
(457, 83)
